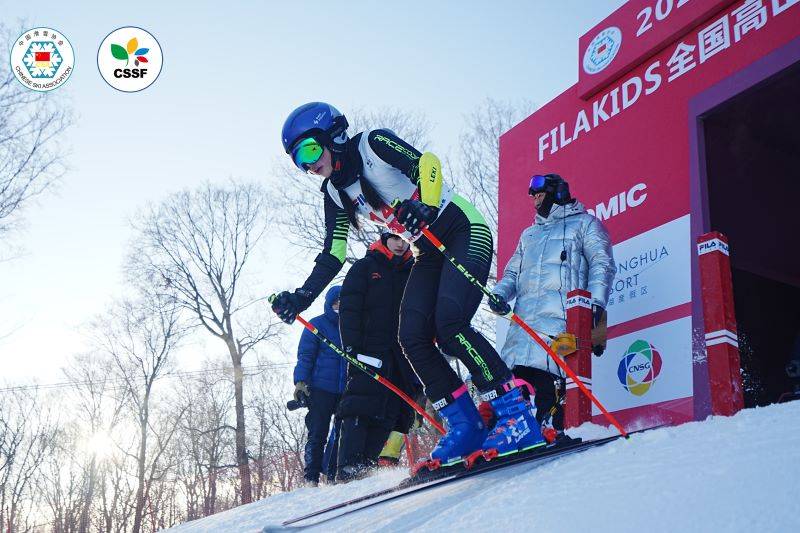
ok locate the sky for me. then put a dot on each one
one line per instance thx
(232, 72)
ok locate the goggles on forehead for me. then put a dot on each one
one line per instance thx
(307, 152)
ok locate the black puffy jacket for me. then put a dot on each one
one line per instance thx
(369, 312)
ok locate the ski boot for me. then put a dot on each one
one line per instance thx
(390, 454)
(517, 428)
(465, 429)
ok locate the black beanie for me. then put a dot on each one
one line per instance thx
(385, 236)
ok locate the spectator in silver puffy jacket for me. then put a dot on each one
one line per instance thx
(566, 248)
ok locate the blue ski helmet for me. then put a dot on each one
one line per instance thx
(317, 119)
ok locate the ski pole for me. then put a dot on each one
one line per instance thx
(521, 323)
(374, 375)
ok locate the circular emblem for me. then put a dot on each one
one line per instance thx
(42, 59)
(602, 50)
(639, 368)
(129, 59)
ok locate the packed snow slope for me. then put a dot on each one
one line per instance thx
(724, 474)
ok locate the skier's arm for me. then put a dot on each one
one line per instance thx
(507, 287)
(600, 257)
(424, 170)
(351, 307)
(395, 151)
(329, 262)
(307, 352)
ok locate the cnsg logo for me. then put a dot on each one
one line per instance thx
(42, 59)
(639, 368)
(129, 59)
(602, 50)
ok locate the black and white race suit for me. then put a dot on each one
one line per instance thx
(439, 302)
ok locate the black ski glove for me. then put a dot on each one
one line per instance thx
(597, 314)
(598, 338)
(287, 305)
(499, 306)
(414, 215)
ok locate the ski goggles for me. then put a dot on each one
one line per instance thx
(307, 152)
(537, 184)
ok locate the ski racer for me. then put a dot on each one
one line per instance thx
(364, 176)
(566, 248)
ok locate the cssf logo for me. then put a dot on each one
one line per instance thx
(129, 59)
(639, 367)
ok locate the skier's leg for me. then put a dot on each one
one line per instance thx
(465, 429)
(416, 332)
(469, 240)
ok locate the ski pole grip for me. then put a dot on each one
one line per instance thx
(371, 361)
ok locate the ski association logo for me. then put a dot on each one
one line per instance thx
(130, 59)
(639, 367)
(602, 50)
(42, 59)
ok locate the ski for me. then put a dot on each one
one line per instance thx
(454, 472)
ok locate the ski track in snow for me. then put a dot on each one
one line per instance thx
(738, 473)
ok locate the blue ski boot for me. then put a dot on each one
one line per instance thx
(465, 429)
(516, 429)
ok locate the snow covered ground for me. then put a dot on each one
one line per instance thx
(724, 474)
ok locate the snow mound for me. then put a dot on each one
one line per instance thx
(739, 473)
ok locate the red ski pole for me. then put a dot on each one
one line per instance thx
(521, 323)
(374, 375)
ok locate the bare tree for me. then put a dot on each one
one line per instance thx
(26, 438)
(31, 123)
(64, 481)
(197, 244)
(140, 336)
(280, 435)
(476, 168)
(301, 215)
(206, 437)
(99, 411)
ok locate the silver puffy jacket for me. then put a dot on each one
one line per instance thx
(540, 281)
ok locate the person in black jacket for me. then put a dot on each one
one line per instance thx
(368, 321)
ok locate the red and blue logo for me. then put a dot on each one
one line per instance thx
(639, 367)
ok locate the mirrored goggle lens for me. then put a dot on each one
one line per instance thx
(306, 153)
(537, 184)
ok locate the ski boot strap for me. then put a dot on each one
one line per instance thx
(450, 398)
(498, 391)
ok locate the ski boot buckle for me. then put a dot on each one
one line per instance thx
(430, 465)
(489, 454)
(470, 459)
